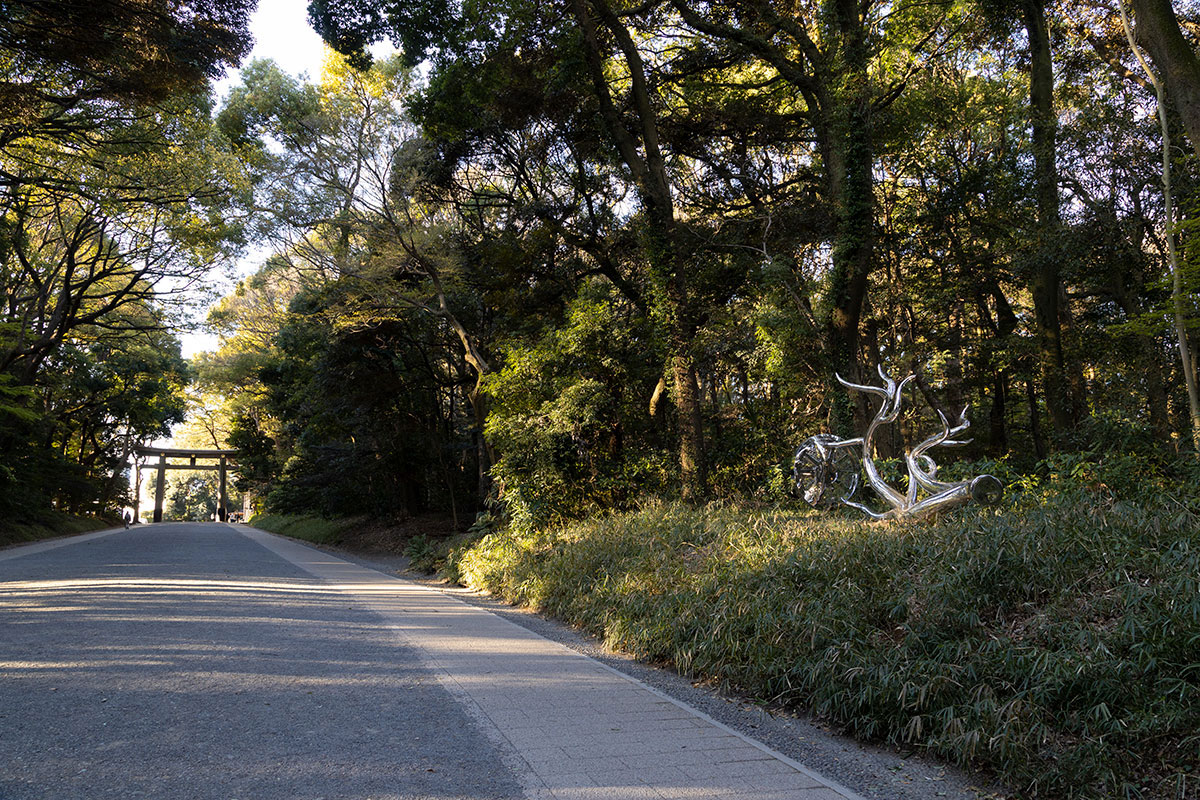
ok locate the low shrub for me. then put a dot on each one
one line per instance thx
(422, 553)
(1055, 641)
(440, 555)
(50, 525)
(311, 529)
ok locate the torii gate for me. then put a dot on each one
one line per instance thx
(223, 458)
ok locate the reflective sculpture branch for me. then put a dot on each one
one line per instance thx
(828, 473)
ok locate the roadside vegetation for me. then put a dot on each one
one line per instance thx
(48, 526)
(310, 529)
(1054, 641)
(425, 535)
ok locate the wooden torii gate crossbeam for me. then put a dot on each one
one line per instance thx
(223, 458)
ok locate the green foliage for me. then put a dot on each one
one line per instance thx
(573, 435)
(367, 416)
(438, 554)
(1053, 641)
(423, 553)
(68, 443)
(49, 525)
(116, 50)
(256, 453)
(15, 402)
(311, 529)
(195, 497)
(349, 392)
(112, 207)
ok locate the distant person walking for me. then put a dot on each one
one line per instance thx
(126, 516)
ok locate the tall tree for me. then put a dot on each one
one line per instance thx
(618, 83)
(1045, 281)
(1162, 32)
(1157, 29)
(833, 53)
(341, 200)
(638, 136)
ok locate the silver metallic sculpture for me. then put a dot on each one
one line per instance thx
(827, 471)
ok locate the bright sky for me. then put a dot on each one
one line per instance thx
(282, 34)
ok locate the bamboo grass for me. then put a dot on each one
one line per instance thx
(1055, 643)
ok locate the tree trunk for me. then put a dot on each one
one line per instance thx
(1157, 30)
(849, 155)
(483, 451)
(997, 416)
(1044, 279)
(1156, 389)
(692, 465)
(1035, 425)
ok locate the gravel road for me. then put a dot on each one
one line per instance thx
(186, 662)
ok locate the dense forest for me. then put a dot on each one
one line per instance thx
(564, 256)
(578, 276)
(555, 257)
(114, 190)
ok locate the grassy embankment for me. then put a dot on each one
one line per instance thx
(1055, 641)
(364, 533)
(311, 529)
(50, 526)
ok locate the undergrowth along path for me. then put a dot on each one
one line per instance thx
(877, 773)
(1055, 641)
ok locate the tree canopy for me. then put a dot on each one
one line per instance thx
(118, 200)
(593, 249)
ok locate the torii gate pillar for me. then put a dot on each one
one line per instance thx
(160, 487)
(223, 496)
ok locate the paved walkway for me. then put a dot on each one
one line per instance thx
(574, 728)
